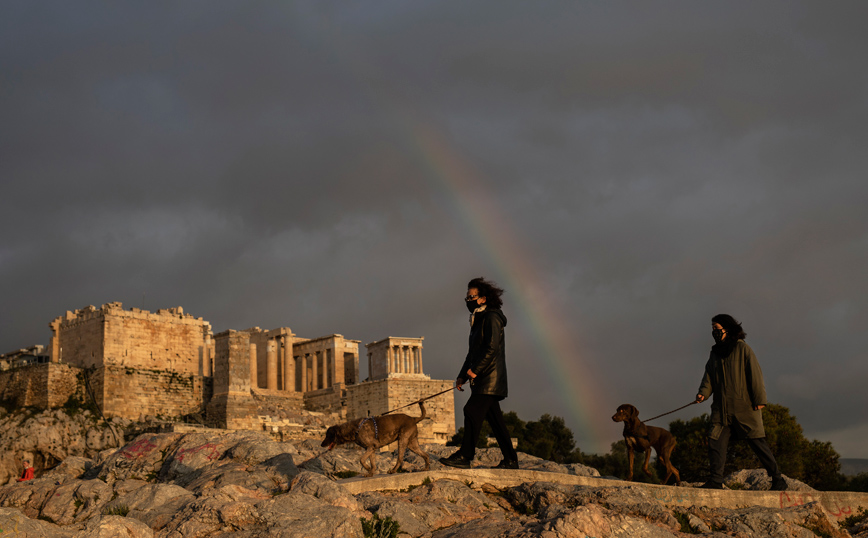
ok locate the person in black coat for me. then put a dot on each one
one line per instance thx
(485, 368)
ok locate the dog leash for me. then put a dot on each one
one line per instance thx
(417, 401)
(375, 423)
(670, 412)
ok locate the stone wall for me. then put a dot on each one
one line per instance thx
(277, 403)
(165, 340)
(78, 338)
(372, 398)
(44, 386)
(231, 405)
(134, 393)
(330, 400)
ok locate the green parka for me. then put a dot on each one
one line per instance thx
(736, 381)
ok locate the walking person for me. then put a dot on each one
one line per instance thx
(485, 368)
(733, 375)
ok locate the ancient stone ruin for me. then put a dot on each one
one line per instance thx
(135, 363)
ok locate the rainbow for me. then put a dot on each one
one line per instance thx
(492, 234)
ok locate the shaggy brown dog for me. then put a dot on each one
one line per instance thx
(375, 432)
(640, 437)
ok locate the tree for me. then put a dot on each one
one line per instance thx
(549, 438)
(615, 463)
(813, 462)
(690, 456)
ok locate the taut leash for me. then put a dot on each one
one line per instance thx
(670, 412)
(375, 424)
(417, 401)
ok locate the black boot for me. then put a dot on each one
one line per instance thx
(506, 464)
(456, 460)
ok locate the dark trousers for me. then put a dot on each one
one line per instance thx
(481, 407)
(717, 455)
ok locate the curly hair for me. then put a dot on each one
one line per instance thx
(487, 289)
(730, 325)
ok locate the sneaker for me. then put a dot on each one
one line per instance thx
(456, 460)
(779, 484)
(507, 464)
(712, 485)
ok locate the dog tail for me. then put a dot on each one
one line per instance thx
(424, 416)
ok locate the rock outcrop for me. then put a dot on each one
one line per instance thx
(218, 483)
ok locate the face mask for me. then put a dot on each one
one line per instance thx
(717, 334)
(471, 306)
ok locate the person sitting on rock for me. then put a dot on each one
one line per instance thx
(28, 472)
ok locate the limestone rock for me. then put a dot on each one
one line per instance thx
(50, 437)
(141, 458)
(758, 479)
(74, 501)
(322, 488)
(71, 467)
(300, 514)
(115, 527)
(15, 523)
(148, 497)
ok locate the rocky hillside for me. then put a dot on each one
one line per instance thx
(243, 484)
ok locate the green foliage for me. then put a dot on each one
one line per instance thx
(822, 470)
(380, 528)
(615, 463)
(813, 462)
(548, 438)
(74, 406)
(856, 483)
(690, 456)
(119, 510)
(857, 518)
(346, 474)
(684, 521)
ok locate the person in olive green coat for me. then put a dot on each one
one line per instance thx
(734, 376)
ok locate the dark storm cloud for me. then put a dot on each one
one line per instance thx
(657, 164)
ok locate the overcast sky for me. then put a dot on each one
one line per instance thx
(625, 170)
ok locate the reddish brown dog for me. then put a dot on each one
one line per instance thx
(375, 432)
(640, 437)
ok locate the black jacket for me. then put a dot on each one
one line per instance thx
(486, 356)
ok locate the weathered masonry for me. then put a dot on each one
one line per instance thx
(396, 380)
(136, 362)
(133, 363)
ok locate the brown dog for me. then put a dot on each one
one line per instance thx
(375, 432)
(640, 437)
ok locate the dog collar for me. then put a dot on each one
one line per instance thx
(376, 433)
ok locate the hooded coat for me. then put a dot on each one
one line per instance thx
(733, 375)
(486, 356)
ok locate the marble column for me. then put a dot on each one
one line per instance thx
(254, 374)
(303, 372)
(271, 364)
(314, 371)
(288, 366)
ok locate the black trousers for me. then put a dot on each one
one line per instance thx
(717, 455)
(481, 407)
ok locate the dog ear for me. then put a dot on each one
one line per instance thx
(632, 411)
(329, 436)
